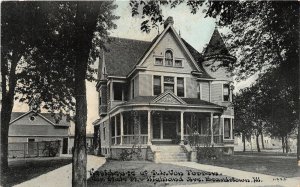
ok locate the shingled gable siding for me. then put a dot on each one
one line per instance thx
(168, 42)
(220, 74)
(145, 85)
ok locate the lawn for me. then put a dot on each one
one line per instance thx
(283, 167)
(144, 173)
(22, 170)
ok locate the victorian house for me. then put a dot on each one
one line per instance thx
(164, 97)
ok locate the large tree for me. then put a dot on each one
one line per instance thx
(18, 23)
(57, 67)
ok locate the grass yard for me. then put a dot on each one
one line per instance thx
(22, 170)
(144, 173)
(283, 167)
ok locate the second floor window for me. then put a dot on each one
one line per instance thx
(169, 58)
(117, 91)
(180, 87)
(199, 91)
(169, 84)
(132, 88)
(226, 92)
(156, 85)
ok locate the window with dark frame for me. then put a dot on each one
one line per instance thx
(199, 91)
(169, 58)
(156, 85)
(226, 92)
(132, 88)
(180, 87)
(117, 91)
(104, 133)
(159, 61)
(227, 128)
(169, 84)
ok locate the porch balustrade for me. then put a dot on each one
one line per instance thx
(203, 140)
(129, 139)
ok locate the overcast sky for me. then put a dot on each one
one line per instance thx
(195, 29)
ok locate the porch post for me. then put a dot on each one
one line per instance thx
(121, 126)
(115, 129)
(149, 128)
(220, 130)
(161, 127)
(181, 128)
(211, 128)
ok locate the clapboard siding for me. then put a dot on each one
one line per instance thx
(205, 91)
(216, 95)
(145, 85)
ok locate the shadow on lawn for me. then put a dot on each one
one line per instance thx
(21, 170)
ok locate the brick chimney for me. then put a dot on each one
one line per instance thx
(169, 21)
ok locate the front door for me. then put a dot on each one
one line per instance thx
(31, 143)
(65, 146)
(169, 130)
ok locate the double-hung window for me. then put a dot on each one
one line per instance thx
(226, 92)
(169, 84)
(156, 85)
(180, 87)
(159, 61)
(227, 128)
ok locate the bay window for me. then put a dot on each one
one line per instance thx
(226, 92)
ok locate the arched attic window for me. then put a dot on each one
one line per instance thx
(169, 57)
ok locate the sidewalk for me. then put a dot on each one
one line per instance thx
(267, 180)
(62, 177)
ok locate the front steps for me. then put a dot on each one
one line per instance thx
(168, 153)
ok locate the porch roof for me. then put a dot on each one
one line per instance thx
(189, 101)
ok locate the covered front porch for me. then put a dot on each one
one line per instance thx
(151, 127)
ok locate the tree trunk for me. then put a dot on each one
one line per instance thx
(257, 143)
(6, 110)
(262, 141)
(85, 23)
(286, 144)
(298, 143)
(282, 143)
(244, 142)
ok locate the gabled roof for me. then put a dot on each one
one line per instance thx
(47, 116)
(123, 54)
(216, 45)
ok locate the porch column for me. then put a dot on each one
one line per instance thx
(220, 130)
(161, 127)
(149, 128)
(181, 128)
(115, 129)
(121, 127)
(211, 128)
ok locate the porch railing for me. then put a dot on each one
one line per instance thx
(129, 139)
(200, 139)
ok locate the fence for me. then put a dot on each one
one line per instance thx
(33, 149)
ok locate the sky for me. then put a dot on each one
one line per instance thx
(195, 29)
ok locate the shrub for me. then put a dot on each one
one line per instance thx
(209, 153)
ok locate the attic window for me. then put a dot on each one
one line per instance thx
(159, 61)
(178, 63)
(32, 118)
(169, 58)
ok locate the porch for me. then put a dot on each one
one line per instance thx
(150, 127)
